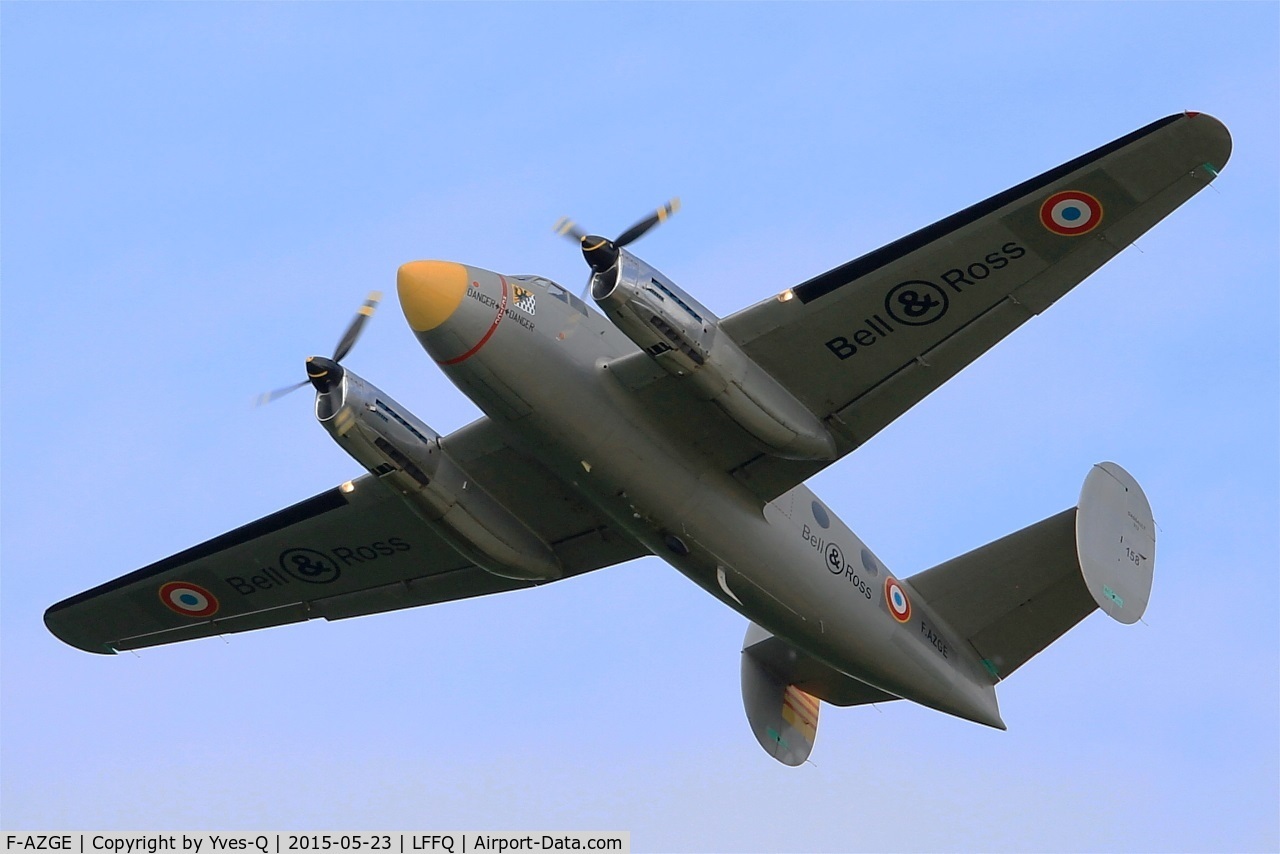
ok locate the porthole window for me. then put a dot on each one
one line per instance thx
(869, 563)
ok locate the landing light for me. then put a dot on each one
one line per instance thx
(347, 487)
(786, 296)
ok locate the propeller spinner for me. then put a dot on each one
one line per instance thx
(324, 373)
(601, 253)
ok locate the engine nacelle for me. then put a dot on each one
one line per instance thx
(685, 339)
(406, 454)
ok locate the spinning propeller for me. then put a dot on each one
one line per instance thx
(601, 253)
(324, 373)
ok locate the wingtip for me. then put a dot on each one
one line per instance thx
(1216, 138)
(62, 630)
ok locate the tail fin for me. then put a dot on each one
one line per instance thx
(1015, 596)
(1116, 541)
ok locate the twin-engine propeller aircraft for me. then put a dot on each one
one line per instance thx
(662, 429)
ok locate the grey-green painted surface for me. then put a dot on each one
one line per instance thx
(593, 451)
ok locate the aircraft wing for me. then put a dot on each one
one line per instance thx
(338, 554)
(863, 343)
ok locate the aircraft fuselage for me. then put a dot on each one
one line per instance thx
(536, 359)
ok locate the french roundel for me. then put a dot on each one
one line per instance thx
(187, 599)
(896, 597)
(1071, 213)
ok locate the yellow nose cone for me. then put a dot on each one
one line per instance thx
(430, 291)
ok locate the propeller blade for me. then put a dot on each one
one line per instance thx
(569, 229)
(601, 253)
(353, 331)
(638, 230)
(271, 396)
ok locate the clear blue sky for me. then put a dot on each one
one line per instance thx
(197, 196)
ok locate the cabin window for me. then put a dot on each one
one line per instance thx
(554, 290)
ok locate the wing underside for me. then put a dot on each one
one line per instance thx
(346, 552)
(861, 344)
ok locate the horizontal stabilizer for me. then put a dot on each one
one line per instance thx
(1013, 597)
(781, 690)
